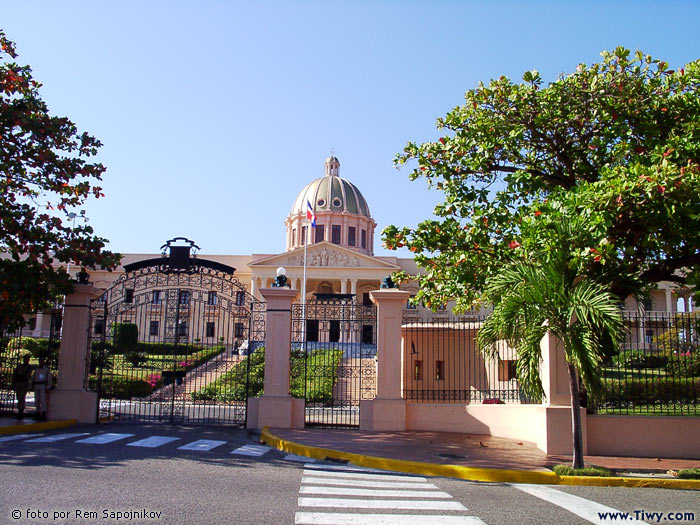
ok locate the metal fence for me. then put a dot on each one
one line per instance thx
(443, 365)
(657, 370)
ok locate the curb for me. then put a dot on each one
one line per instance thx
(491, 475)
(35, 427)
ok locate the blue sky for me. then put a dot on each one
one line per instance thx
(215, 114)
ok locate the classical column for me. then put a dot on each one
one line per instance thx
(70, 399)
(353, 287)
(343, 285)
(387, 412)
(276, 408)
(252, 285)
(669, 301)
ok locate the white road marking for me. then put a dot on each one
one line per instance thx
(584, 508)
(18, 436)
(346, 491)
(365, 483)
(101, 439)
(202, 444)
(352, 475)
(251, 450)
(152, 442)
(346, 468)
(56, 437)
(380, 504)
(300, 459)
(336, 518)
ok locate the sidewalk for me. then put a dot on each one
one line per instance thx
(465, 450)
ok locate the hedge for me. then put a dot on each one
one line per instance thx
(120, 387)
(321, 373)
(155, 348)
(639, 359)
(684, 365)
(640, 392)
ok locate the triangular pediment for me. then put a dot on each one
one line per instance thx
(324, 254)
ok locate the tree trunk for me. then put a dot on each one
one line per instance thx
(575, 416)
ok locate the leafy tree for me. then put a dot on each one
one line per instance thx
(534, 297)
(43, 176)
(617, 141)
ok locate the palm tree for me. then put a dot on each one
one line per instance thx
(531, 299)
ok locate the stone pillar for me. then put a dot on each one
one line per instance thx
(387, 412)
(70, 399)
(353, 287)
(343, 285)
(276, 408)
(555, 378)
(669, 301)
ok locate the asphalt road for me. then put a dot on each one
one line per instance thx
(223, 476)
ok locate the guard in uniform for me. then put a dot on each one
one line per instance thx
(21, 381)
(41, 382)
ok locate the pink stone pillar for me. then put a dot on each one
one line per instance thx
(276, 408)
(70, 399)
(388, 410)
(555, 378)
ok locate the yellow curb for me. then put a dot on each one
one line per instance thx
(35, 427)
(472, 473)
(414, 467)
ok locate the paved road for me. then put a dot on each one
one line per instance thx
(164, 474)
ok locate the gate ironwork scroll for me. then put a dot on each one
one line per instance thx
(333, 360)
(169, 341)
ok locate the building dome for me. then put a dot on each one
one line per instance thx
(331, 193)
(342, 213)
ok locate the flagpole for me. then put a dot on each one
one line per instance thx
(303, 284)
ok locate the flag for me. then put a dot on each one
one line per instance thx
(310, 214)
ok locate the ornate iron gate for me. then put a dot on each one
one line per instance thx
(169, 342)
(333, 360)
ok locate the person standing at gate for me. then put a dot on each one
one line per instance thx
(21, 380)
(41, 382)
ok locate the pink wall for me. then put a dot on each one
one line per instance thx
(644, 436)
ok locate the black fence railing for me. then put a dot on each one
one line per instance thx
(443, 365)
(657, 370)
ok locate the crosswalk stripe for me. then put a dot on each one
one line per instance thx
(18, 436)
(345, 468)
(337, 518)
(345, 491)
(354, 475)
(101, 439)
(56, 437)
(251, 450)
(301, 459)
(366, 483)
(152, 442)
(202, 444)
(381, 504)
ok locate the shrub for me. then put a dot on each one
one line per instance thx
(125, 339)
(639, 359)
(120, 387)
(689, 473)
(684, 365)
(567, 470)
(658, 391)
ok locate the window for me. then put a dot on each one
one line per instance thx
(351, 235)
(312, 330)
(303, 235)
(184, 296)
(240, 298)
(418, 370)
(211, 329)
(410, 304)
(335, 234)
(649, 336)
(646, 303)
(294, 236)
(334, 334)
(320, 233)
(367, 334)
(155, 297)
(439, 370)
(154, 328)
(102, 298)
(182, 329)
(31, 324)
(211, 298)
(239, 330)
(363, 238)
(506, 370)
(366, 301)
(99, 326)
(129, 295)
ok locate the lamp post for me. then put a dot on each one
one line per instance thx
(72, 216)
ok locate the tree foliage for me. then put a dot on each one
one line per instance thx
(44, 175)
(616, 142)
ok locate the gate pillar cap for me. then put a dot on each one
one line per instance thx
(279, 292)
(82, 291)
(389, 294)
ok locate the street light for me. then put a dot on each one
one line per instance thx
(72, 216)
